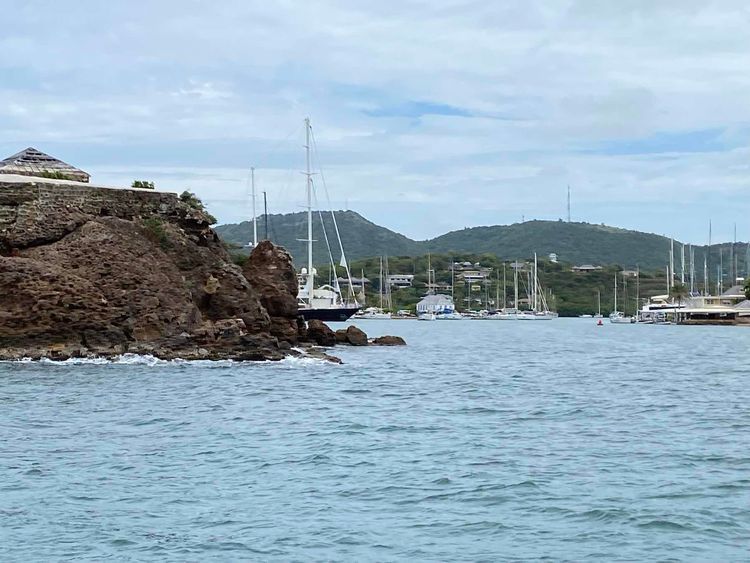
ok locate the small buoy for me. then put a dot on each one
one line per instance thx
(600, 323)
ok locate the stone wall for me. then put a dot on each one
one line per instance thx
(35, 212)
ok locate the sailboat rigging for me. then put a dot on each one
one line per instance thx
(325, 302)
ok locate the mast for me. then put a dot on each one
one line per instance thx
(362, 281)
(515, 285)
(505, 289)
(682, 264)
(265, 213)
(380, 282)
(638, 286)
(308, 178)
(568, 203)
(453, 278)
(671, 263)
(615, 291)
(388, 302)
(429, 273)
(732, 259)
(497, 290)
(691, 258)
(255, 217)
(598, 302)
(535, 289)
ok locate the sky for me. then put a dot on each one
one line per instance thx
(428, 116)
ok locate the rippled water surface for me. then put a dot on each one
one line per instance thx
(479, 441)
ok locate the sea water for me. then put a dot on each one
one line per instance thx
(480, 440)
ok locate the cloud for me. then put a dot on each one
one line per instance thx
(428, 115)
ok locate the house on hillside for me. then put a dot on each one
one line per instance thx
(400, 280)
(33, 162)
(586, 268)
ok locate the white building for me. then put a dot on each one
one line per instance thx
(436, 303)
(400, 280)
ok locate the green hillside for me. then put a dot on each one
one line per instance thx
(575, 243)
(361, 237)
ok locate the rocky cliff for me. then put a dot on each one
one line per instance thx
(87, 270)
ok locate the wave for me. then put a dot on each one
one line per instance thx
(151, 361)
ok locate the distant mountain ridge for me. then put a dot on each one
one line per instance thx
(577, 243)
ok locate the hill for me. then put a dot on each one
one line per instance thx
(362, 238)
(575, 243)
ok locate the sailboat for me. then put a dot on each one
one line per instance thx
(376, 312)
(618, 317)
(325, 302)
(598, 305)
(539, 310)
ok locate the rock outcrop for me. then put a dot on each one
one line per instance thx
(320, 333)
(271, 274)
(388, 341)
(351, 335)
(97, 271)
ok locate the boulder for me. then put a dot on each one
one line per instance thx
(355, 336)
(270, 271)
(341, 336)
(388, 341)
(320, 333)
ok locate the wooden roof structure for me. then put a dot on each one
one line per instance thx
(33, 162)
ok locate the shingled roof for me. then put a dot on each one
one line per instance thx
(32, 162)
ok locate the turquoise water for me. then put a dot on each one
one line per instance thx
(479, 441)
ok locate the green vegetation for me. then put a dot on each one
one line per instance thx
(575, 243)
(157, 232)
(194, 201)
(570, 293)
(143, 184)
(747, 288)
(55, 175)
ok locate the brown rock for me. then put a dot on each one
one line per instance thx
(341, 336)
(355, 336)
(86, 270)
(388, 341)
(320, 333)
(270, 271)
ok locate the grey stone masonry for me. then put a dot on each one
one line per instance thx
(36, 211)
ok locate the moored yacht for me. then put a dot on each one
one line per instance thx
(324, 303)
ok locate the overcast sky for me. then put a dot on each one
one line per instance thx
(429, 115)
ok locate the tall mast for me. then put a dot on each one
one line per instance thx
(505, 290)
(638, 289)
(308, 176)
(497, 291)
(255, 216)
(568, 203)
(682, 264)
(598, 302)
(265, 214)
(732, 258)
(515, 285)
(691, 258)
(615, 291)
(708, 258)
(535, 290)
(671, 263)
(380, 282)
